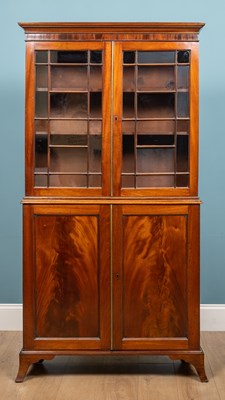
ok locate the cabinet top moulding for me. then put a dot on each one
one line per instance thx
(181, 31)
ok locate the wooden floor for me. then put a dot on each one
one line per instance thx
(134, 378)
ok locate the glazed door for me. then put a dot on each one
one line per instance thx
(68, 123)
(156, 277)
(155, 119)
(67, 277)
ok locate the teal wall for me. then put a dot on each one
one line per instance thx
(212, 113)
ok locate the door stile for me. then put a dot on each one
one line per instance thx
(117, 279)
(117, 118)
(107, 121)
(105, 276)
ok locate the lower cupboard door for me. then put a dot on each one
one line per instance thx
(156, 277)
(66, 277)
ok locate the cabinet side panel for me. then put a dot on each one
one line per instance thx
(66, 281)
(154, 276)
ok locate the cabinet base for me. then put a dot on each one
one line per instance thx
(27, 358)
(197, 360)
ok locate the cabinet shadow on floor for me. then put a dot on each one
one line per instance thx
(107, 366)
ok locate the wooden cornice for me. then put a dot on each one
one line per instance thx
(111, 30)
(182, 27)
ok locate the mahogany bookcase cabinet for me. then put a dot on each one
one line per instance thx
(111, 209)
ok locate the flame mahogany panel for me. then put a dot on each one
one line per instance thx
(67, 276)
(154, 276)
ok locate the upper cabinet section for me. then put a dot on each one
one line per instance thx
(111, 109)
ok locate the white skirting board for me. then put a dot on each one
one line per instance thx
(212, 317)
(11, 317)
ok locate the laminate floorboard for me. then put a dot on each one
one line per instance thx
(117, 378)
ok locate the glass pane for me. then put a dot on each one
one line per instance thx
(95, 79)
(78, 140)
(129, 57)
(68, 180)
(41, 104)
(151, 57)
(96, 57)
(182, 127)
(76, 57)
(149, 127)
(128, 127)
(95, 160)
(155, 160)
(95, 181)
(95, 105)
(155, 181)
(128, 105)
(95, 127)
(41, 56)
(41, 126)
(128, 79)
(156, 78)
(68, 160)
(42, 77)
(68, 126)
(183, 56)
(40, 181)
(156, 127)
(69, 105)
(182, 153)
(182, 180)
(155, 140)
(183, 104)
(128, 153)
(128, 181)
(156, 105)
(41, 152)
(69, 78)
(183, 77)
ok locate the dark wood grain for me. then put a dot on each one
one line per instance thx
(154, 276)
(67, 276)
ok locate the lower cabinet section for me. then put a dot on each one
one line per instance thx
(111, 279)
